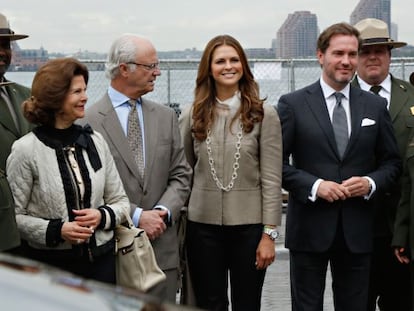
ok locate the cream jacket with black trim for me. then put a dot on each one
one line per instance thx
(36, 183)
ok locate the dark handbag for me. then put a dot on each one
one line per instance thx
(136, 266)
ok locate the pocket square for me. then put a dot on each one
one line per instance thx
(367, 122)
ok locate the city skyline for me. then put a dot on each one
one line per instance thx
(171, 25)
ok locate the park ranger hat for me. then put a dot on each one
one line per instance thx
(6, 32)
(375, 32)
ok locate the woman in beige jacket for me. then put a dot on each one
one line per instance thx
(233, 142)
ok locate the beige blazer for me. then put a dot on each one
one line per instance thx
(256, 196)
(167, 173)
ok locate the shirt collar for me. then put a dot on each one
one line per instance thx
(117, 98)
(328, 90)
(386, 84)
(233, 101)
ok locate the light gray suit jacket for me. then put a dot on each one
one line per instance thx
(167, 173)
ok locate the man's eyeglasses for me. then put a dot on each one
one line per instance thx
(149, 67)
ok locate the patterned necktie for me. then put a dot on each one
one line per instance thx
(375, 89)
(340, 124)
(134, 137)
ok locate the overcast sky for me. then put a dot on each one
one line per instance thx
(70, 26)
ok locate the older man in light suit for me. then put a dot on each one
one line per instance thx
(145, 141)
(13, 125)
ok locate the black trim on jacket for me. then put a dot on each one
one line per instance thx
(80, 138)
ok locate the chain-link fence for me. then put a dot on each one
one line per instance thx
(175, 86)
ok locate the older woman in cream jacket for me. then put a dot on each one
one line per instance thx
(68, 194)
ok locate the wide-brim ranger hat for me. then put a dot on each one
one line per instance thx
(6, 32)
(375, 32)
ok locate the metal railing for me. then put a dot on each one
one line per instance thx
(175, 86)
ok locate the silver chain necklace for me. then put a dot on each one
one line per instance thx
(236, 165)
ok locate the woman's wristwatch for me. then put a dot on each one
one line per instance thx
(271, 232)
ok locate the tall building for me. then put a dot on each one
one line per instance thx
(394, 31)
(380, 9)
(297, 37)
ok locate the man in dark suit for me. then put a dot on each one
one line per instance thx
(389, 280)
(13, 125)
(158, 183)
(343, 150)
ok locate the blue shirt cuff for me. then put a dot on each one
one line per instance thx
(136, 216)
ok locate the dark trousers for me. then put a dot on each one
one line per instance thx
(217, 253)
(350, 275)
(101, 269)
(390, 284)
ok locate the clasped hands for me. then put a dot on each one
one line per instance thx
(83, 226)
(153, 222)
(351, 187)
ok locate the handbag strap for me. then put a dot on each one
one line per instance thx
(128, 221)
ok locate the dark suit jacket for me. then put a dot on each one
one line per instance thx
(402, 99)
(308, 137)
(404, 223)
(9, 236)
(167, 173)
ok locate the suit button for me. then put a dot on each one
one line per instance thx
(145, 192)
